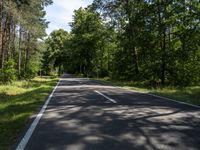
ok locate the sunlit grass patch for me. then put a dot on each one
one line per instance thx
(18, 101)
(186, 94)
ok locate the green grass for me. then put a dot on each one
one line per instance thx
(18, 101)
(184, 94)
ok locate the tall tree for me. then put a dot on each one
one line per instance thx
(87, 32)
(20, 30)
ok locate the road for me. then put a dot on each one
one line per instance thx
(88, 115)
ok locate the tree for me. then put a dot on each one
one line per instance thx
(20, 30)
(86, 38)
(156, 42)
(153, 34)
(56, 50)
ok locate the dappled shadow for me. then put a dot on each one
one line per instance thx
(15, 114)
(70, 80)
(24, 102)
(16, 109)
(81, 82)
(135, 98)
(80, 119)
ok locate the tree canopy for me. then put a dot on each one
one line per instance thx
(153, 41)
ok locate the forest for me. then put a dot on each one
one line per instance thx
(21, 34)
(151, 41)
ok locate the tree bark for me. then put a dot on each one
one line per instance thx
(2, 35)
(163, 58)
(19, 51)
(27, 51)
(1, 17)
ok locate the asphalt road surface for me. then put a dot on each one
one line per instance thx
(89, 115)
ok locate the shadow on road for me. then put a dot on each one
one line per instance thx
(80, 119)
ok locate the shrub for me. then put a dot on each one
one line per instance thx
(31, 70)
(8, 73)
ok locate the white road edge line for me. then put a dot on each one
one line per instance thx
(31, 129)
(161, 97)
(110, 99)
(169, 99)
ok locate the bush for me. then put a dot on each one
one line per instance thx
(8, 73)
(31, 70)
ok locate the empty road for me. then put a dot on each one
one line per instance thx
(89, 115)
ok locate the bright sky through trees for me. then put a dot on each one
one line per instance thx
(60, 13)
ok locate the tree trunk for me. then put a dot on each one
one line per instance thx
(131, 35)
(135, 60)
(27, 51)
(2, 35)
(13, 39)
(162, 32)
(19, 51)
(8, 47)
(163, 58)
(1, 30)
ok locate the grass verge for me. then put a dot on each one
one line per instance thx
(185, 94)
(18, 101)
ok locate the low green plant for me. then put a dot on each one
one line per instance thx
(8, 73)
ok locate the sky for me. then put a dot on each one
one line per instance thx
(59, 14)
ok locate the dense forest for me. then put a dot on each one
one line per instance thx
(153, 41)
(156, 41)
(21, 31)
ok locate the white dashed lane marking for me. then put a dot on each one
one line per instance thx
(108, 98)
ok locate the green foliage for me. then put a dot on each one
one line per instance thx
(56, 52)
(156, 42)
(8, 73)
(31, 70)
(87, 31)
(21, 34)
